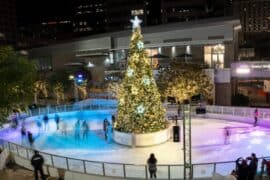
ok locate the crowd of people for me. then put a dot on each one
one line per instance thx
(81, 128)
(246, 169)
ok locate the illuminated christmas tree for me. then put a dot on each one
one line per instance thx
(139, 106)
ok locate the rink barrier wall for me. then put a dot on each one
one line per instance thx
(115, 170)
(141, 140)
(239, 114)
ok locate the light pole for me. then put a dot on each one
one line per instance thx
(71, 77)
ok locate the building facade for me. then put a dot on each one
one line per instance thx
(89, 17)
(213, 42)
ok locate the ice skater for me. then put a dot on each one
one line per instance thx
(77, 130)
(57, 120)
(256, 114)
(108, 132)
(227, 134)
(39, 125)
(45, 120)
(30, 138)
(113, 121)
(85, 130)
(64, 128)
(105, 124)
(23, 134)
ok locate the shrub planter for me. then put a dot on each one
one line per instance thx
(140, 140)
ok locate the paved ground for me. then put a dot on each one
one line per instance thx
(18, 173)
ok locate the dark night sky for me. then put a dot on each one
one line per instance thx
(31, 11)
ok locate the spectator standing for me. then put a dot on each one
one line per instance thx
(37, 162)
(252, 166)
(152, 166)
(231, 176)
(267, 164)
(242, 169)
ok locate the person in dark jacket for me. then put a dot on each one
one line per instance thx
(242, 169)
(37, 162)
(252, 166)
(256, 115)
(23, 134)
(152, 166)
(30, 138)
(57, 120)
(45, 120)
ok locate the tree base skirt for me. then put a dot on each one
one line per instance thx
(140, 140)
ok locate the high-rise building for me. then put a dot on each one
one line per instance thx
(40, 22)
(89, 17)
(254, 15)
(187, 10)
(84, 17)
(7, 22)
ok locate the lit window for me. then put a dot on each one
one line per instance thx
(214, 56)
(137, 12)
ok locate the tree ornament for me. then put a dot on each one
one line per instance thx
(146, 80)
(130, 72)
(140, 109)
(134, 90)
(140, 45)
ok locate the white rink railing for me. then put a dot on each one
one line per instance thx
(138, 171)
(264, 113)
(91, 104)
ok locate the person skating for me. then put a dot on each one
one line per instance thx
(85, 130)
(152, 166)
(256, 115)
(23, 134)
(105, 124)
(39, 125)
(37, 162)
(30, 138)
(57, 120)
(227, 135)
(109, 131)
(77, 130)
(45, 120)
(64, 128)
(113, 121)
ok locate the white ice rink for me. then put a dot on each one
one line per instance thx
(207, 142)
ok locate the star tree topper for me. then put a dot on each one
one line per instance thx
(136, 22)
